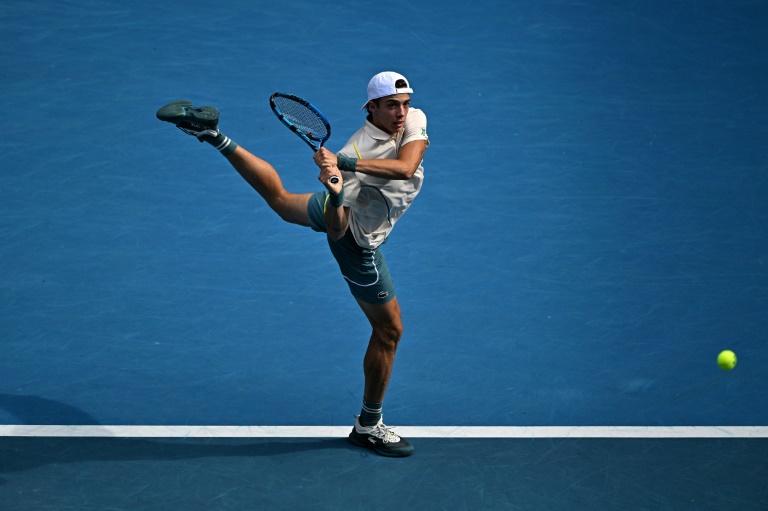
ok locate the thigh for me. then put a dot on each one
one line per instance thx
(382, 315)
(293, 208)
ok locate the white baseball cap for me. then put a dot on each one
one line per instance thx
(387, 83)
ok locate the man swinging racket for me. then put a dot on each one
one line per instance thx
(369, 185)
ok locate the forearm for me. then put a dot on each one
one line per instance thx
(336, 220)
(387, 169)
(404, 167)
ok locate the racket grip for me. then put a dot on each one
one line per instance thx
(334, 179)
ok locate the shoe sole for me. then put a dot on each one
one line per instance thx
(378, 450)
(173, 111)
(183, 112)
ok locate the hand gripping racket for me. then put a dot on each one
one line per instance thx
(303, 119)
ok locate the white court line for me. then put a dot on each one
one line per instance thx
(406, 431)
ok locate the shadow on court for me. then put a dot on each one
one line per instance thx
(20, 454)
(33, 410)
(328, 473)
(37, 410)
(238, 474)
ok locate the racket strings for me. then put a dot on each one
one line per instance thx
(302, 118)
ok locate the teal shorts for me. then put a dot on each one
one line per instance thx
(365, 270)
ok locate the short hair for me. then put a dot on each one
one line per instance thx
(377, 101)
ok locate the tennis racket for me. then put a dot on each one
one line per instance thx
(302, 118)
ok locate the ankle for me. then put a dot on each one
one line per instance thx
(221, 142)
(370, 414)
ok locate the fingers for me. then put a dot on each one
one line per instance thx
(330, 175)
(331, 178)
(325, 158)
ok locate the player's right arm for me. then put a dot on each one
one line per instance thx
(336, 216)
(336, 221)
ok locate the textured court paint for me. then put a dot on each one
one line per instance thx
(591, 233)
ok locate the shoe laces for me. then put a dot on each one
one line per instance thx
(384, 433)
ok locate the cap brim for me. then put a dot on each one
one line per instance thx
(397, 91)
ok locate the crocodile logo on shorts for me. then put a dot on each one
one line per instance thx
(383, 295)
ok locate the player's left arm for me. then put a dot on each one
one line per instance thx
(404, 167)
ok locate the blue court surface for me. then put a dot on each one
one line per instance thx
(592, 232)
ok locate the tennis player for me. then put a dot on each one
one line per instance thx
(380, 171)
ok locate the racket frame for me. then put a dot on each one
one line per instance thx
(313, 142)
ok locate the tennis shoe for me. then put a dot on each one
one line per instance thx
(196, 121)
(381, 439)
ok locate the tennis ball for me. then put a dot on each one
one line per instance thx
(726, 360)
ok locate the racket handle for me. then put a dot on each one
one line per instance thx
(334, 179)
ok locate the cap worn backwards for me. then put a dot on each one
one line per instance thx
(387, 83)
